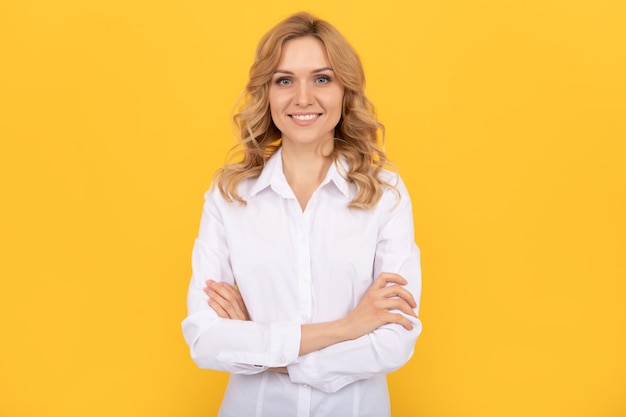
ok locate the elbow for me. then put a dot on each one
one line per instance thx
(395, 345)
(206, 353)
(202, 357)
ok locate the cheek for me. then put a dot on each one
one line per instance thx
(338, 97)
(275, 114)
(277, 103)
(338, 103)
(274, 108)
(272, 102)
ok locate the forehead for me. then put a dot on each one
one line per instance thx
(305, 52)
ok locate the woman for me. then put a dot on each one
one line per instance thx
(306, 278)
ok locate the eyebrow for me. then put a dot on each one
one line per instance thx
(315, 71)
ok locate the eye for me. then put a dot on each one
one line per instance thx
(283, 82)
(322, 79)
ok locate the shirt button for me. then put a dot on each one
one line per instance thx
(304, 317)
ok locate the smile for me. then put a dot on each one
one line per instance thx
(305, 117)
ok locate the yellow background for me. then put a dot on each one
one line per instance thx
(506, 119)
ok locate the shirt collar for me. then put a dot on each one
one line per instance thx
(337, 174)
(272, 176)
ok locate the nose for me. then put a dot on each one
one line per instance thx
(304, 95)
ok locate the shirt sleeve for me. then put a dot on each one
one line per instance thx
(390, 346)
(235, 346)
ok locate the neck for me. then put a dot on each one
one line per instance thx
(302, 164)
(304, 170)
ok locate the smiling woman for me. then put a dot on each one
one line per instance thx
(306, 277)
(305, 99)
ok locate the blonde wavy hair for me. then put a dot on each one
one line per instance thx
(356, 134)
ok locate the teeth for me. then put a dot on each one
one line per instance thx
(304, 116)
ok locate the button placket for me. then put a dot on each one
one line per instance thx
(304, 268)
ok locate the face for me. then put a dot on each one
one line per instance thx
(305, 96)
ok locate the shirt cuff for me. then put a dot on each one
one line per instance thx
(284, 343)
(281, 348)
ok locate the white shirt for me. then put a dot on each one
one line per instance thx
(294, 267)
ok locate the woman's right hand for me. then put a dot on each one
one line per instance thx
(226, 301)
(374, 310)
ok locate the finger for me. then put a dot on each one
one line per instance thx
(396, 304)
(236, 307)
(243, 305)
(207, 290)
(232, 309)
(231, 301)
(218, 309)
(210, 284)
(224, 289)
(234, 296)
(398, 291)
(399, 319)
(207, 284)
(386, 278)
(227, 299)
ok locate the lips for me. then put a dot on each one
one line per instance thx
(305, 116)
(304, 119)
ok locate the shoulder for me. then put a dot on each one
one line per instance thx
(244, 189)
(389, 178)
(391, 182)
(395, 193)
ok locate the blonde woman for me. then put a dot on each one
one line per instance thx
(306, 278)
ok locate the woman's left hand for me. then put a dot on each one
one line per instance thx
(226, 301)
